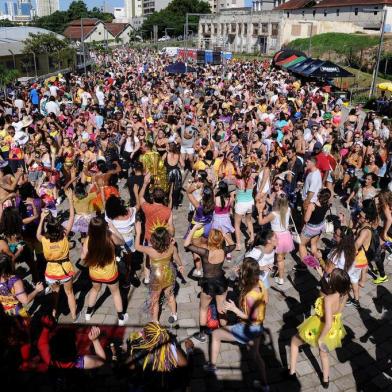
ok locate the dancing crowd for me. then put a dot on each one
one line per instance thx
(266, 165)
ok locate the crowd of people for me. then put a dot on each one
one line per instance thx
(266, 164)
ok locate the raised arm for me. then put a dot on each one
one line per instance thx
(146, 181)
(71, 219)
(44, 214)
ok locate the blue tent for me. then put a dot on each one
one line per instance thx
(179, 68)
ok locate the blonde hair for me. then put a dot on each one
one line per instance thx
(281, 205)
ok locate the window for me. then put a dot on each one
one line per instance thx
(245, 29)
(274, 29)
(255, 29)
(337, 12)
(288, 14)
(296, 30)
(314, 13)
(264, 28)
(303, 13)
(356, 11)
(325, 12)
(375, 12)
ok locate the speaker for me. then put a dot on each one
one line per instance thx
(216, 58)
(200, 56)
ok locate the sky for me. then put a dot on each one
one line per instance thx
(64, 4)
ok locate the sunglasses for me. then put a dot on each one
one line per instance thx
(278, 184)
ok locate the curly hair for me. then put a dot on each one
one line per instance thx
(160, 239)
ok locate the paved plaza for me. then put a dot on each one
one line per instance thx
(363, 363)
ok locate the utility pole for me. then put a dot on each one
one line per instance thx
(379, 51)
(84, 51)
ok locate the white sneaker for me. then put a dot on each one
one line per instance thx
(122, 322)
(279, 281)
(146, 280)
(87, 316)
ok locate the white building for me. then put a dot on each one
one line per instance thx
(47, 7)
(218, 5)
(133, 8)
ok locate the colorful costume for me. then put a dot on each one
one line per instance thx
(163, 274)
(8, 299)
(153, 163)
(310, 330)
(59, 268)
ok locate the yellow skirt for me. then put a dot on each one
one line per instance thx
(310, 330)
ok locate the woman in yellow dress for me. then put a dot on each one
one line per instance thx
(163, 275)
(325, 328)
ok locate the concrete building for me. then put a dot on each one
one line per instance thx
(47, 7)
(365, 13)
(244, 30)
(151, 6)
(133, 8)
(218, 5)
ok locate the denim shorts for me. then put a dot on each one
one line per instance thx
(243, 333)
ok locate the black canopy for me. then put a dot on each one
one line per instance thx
(324, 70)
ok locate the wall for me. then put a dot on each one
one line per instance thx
(99, 34)
(243, 30)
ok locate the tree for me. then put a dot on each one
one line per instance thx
(7, 76)
(58, 21)
(6, 23)
(58, 50)
(174, 15)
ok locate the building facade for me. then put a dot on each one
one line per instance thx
(151, 6)
(133, 8)
(244, 30)
(47, 7)
(364, 13)
(218, 5)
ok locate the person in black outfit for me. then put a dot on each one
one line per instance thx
(214, 283)
(135, 183)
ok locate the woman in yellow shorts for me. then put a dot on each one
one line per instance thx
(98, 254)
(59, 269)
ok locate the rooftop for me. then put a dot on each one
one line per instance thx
(294, 4)
(116, 28)
(348, 3)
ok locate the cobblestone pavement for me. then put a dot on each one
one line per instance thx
(364, 363)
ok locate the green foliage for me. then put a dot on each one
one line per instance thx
(58, 50)
(173, 16)
(341, 43)
(7, 75)
(59, 20)
(6, 23)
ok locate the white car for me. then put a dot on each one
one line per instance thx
(164, 38)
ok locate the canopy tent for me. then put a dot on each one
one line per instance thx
(298, 60)
(300, 66)
(285, 53)
(179, 68)
(286, 60)
(328, 70)
(310, 68)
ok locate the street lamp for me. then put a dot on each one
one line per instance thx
(310, 37)
(379, 50)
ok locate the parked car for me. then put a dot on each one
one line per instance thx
(164, 38)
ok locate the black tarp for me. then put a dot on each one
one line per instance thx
(300, 66)
(320, 69)
(179, 68)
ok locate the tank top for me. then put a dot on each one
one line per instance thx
(258, 299)
(57, 255)
(318, 214)
(222, 210)
(276, 223)
(105, 274)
